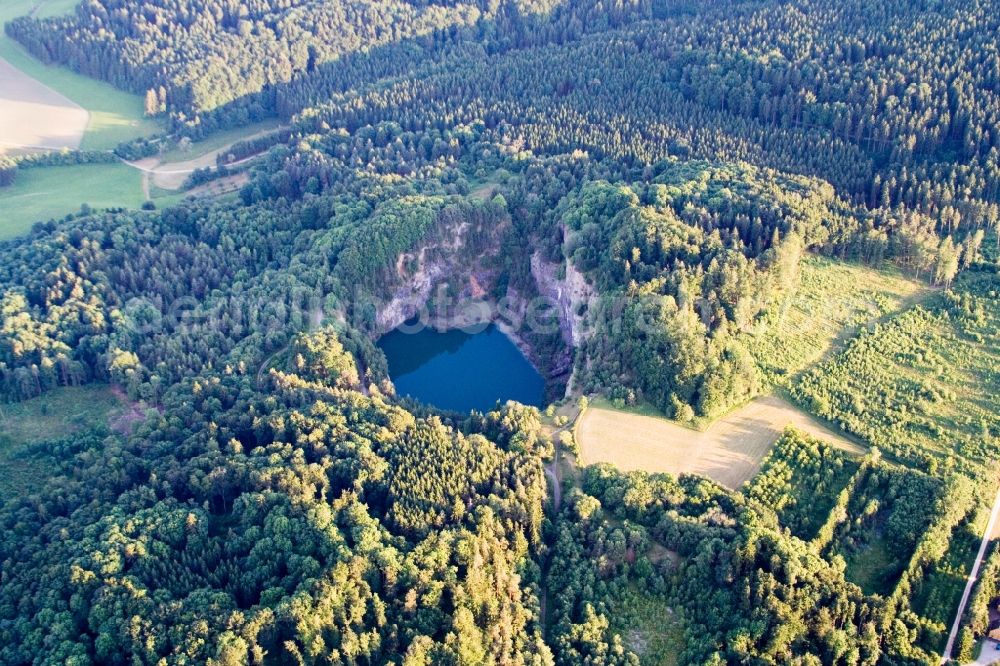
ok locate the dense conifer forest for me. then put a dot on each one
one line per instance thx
(272, 501)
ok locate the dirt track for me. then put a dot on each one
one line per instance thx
(32, 115)
(991, 527)
(171, 176)
(729, 451)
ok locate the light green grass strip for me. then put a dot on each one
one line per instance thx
(51, 192)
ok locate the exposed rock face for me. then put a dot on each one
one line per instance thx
(448, 288)
(420, 271)
(567, 294)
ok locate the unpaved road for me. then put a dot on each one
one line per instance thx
(171, 176)
(729, 451)
(553, 476)
(32, 115)
(970, 583)
(988, 654)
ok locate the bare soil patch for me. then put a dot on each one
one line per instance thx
(729, 451)
(34, 116)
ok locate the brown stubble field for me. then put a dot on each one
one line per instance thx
(32, 115)
(729, 451)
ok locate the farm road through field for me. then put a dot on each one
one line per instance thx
(729, 451)
(172, 175)
(36, 116)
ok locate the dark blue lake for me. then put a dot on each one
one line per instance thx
(458, 371)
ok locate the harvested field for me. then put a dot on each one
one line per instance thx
(729, 451)
(32, 115)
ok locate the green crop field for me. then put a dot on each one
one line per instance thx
(40, 194)
(51, 192)
(115, 116)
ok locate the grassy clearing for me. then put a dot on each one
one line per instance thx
(833, 301)
(922, 386)
(648, 627)
(52, 192)
(166, 198)
(115, 116)
(873, 568)
(729, 451)
(640, 408)
(889, 512)
(214, 144)
(54, 415)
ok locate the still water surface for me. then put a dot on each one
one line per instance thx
(459, 371)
